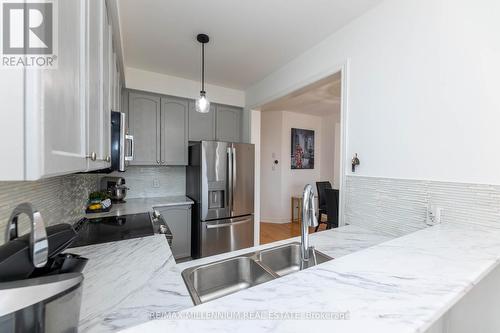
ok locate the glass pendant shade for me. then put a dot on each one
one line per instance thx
(202, 103)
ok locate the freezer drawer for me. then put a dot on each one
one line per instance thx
(226, 235)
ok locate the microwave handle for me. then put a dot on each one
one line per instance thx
(132, 147)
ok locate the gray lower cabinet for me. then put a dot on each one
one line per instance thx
(159, 125)
(228, 123)
(178, 219)
(201, 125)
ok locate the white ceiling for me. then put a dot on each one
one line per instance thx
(249, 39)
(321, 98)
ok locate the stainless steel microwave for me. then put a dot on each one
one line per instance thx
(122, 144)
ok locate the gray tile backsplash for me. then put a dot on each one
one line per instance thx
(150, 182)
(398, 206)
(59, 199)
(62, 199)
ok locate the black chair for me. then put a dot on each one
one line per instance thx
(321, 187)
(332, 209)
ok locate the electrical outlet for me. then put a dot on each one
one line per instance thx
(156, 183)
(433, 215)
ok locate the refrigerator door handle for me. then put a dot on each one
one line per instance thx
(230, 181)
(233, 182)
(223, 225)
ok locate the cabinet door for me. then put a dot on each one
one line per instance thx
(93, 70)
(106, 49)
(118, 89)
(144, 111)
(115, 84)
(228, 123)
(201, 125)
(124, 107)
(98, 120)
(174, 131)
(55, 102)
(178, 219)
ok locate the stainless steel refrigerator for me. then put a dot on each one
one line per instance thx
(220, 179)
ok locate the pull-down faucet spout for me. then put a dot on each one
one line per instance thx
(308, 220)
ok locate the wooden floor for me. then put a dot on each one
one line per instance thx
(272, 232)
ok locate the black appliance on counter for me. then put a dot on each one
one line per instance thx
(115, 228)
(40, 287)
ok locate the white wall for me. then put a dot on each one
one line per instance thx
(330, 146)
(423, 85)
(271, 204)
(176, 86)
(255, 137)
(293, 181)
(279, 184)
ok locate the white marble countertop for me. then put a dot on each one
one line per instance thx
(127, 281)
(142, 205)
(402, 285)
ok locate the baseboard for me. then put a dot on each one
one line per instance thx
(274, 220)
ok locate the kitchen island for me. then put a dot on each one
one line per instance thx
(403, 285)
(132, 281)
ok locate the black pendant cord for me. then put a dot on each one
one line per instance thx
(202, 39)
(203, 67)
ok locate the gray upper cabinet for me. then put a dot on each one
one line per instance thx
(159, 125)
(174, 131)
(144, 112)
(162, 126)
(201, 125)
(228, 126)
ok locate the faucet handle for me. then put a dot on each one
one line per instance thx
(39, 246)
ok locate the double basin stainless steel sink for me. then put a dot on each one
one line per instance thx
(214, 280)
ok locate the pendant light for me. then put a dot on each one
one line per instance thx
(202, 103)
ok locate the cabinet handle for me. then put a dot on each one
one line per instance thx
(107, 159)
(157, 161)
(92, 156)
(162, 162)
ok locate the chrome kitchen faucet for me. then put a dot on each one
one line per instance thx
(39, 246)
(308, 220)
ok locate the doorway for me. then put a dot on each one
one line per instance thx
(301, 138)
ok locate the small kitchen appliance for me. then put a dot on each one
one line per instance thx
(115, 187)
(40, 287)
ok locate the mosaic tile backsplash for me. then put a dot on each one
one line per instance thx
(398, 206)
(150, 182)
(59, 199)
(62, 199)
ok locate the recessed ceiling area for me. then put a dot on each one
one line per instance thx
(248, 39)
(321, 98)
